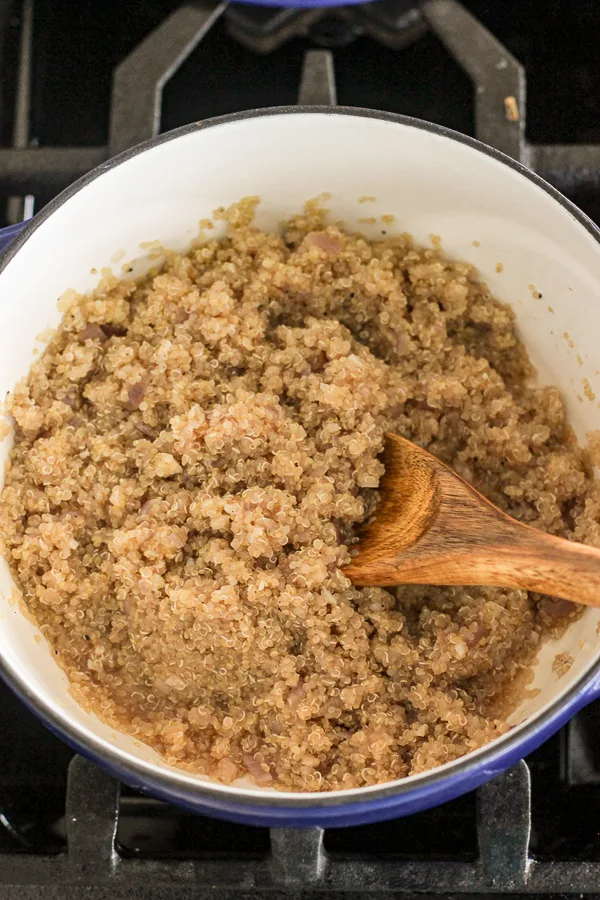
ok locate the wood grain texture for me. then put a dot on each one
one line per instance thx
(432, 527)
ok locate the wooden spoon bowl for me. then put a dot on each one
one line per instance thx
(432, 527)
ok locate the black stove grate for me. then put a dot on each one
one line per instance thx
(108, 843)
(196, 85)
(80, 82)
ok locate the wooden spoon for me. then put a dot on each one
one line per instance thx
(431, 527)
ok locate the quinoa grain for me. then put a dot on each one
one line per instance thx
(192, 454)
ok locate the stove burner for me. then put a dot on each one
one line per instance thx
(395, 23)
(100, 853)
(139, 80)
(334, 32)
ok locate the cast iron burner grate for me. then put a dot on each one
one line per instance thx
(139, 80)
(66, 828)
(101, 851)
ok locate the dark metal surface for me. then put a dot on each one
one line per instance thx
(495, 73)
(393, 23)
(297, 858)
(504, 829)
(47, 169)
(265, 29)
(92, 813)
(139, 80)
(317, 81)
(16, 205)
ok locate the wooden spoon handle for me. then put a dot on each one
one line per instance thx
(528, 559)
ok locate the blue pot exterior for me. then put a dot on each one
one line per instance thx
(394, 801)
(7, 235)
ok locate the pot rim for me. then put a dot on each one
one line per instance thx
(170, 782)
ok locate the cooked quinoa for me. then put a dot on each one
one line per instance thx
(192, 454)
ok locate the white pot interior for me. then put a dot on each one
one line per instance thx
(430, 184)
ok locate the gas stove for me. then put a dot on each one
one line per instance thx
(82, 82)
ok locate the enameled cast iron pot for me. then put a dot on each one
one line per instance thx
(433, 181)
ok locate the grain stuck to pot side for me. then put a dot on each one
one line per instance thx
(192, 454)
